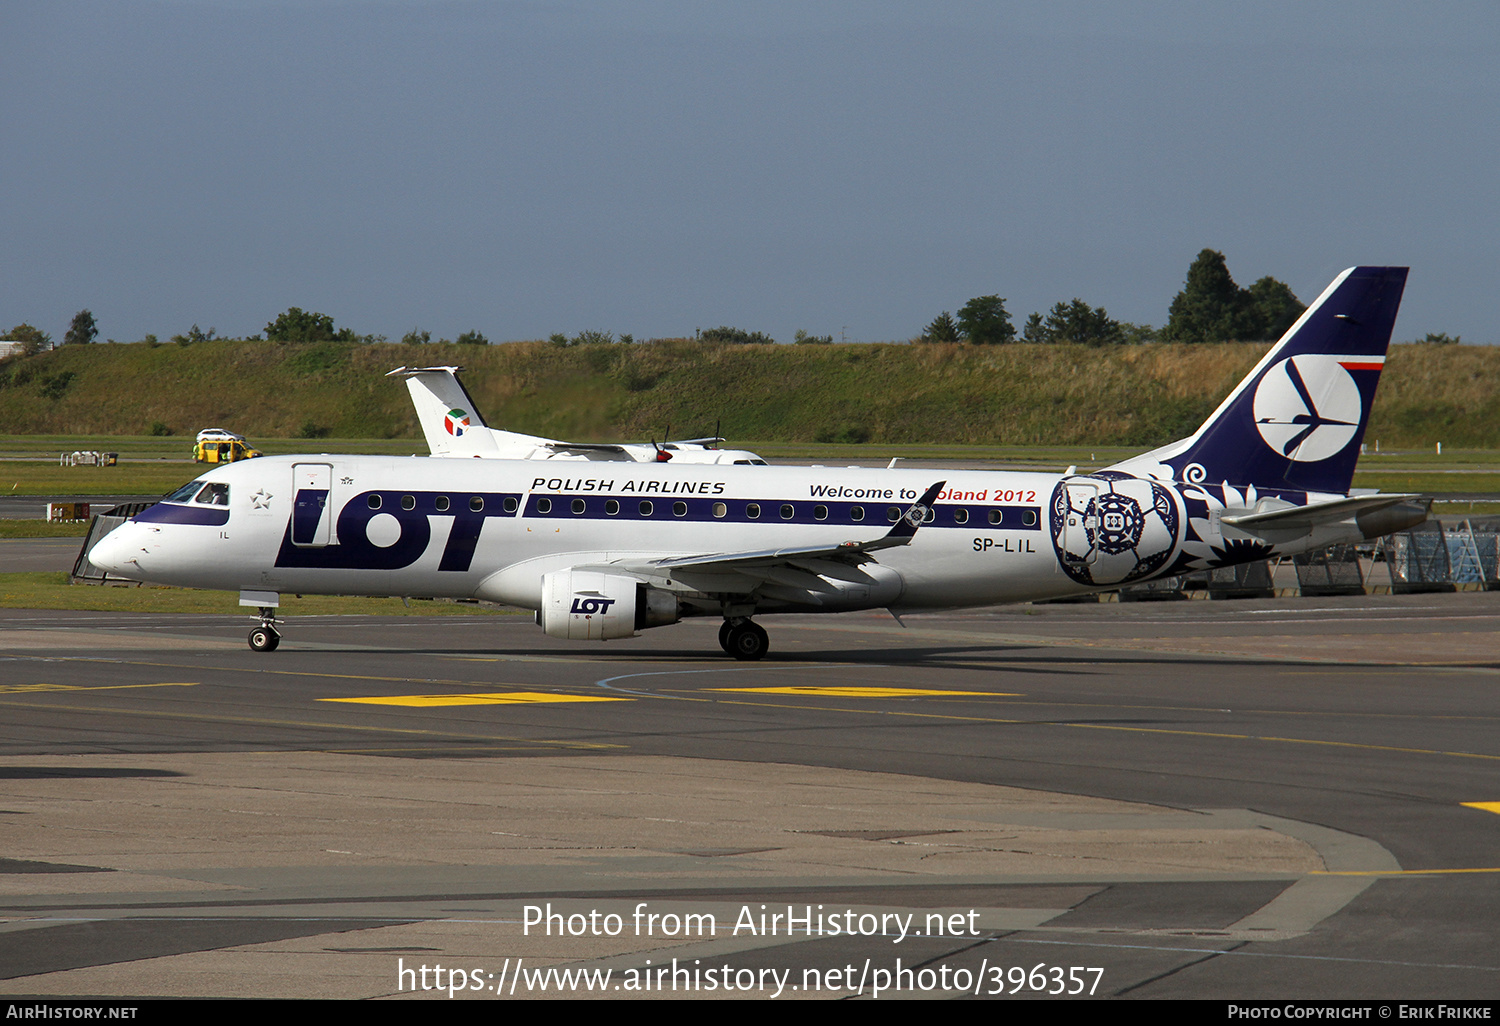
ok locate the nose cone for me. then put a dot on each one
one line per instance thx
(118, 552)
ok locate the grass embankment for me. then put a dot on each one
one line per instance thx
(43, 529)
(888, 394)
(52, 591)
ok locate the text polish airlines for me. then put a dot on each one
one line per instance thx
(453, 427)
(605, 551)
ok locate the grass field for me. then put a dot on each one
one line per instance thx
(147, 466)
(42, 529)
(883, 394)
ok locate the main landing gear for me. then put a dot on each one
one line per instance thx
(743, 639)
(265, 638)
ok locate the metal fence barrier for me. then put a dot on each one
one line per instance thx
(1331, 571)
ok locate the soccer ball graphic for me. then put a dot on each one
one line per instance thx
(1112, 529)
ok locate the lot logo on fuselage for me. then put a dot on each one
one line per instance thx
(1308, 407)
(456, 422)
(377, 530)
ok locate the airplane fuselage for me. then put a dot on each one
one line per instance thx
(491, 529)
(605, 549)
(390, 526)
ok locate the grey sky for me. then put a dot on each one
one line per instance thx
(525, 168)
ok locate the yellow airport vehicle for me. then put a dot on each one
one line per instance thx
(215, 445)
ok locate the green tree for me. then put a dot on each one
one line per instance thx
(472, 338)
(1212, 308)
(416, 337)
(298, 325)
(1441, 338)
(1081, 323)
(983, 321)
(736, 336)
(1208, 307)
(1035, 330)
(942, 329)
(1271, 308)
(33, 340)
(802, 338)
(196, 334)
(82, 331)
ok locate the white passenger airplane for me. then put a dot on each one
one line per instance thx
(608, 550)
(453, 427)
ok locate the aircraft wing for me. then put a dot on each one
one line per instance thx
(795, 567)
(627, 447)
(585, 447)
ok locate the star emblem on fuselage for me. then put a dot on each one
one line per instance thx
(261, 500)
(346, 480)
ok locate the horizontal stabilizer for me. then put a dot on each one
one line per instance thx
(1315, 513)
(1374, 515)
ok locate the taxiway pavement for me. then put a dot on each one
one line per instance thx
(1291, 798)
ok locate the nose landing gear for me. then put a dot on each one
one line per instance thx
(265, 638)
(743, 639)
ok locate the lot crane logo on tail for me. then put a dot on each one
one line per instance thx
(1303, 427)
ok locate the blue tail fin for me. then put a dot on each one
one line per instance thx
(1297, 420)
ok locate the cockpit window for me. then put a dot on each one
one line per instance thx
(214, 493)
(185, 493)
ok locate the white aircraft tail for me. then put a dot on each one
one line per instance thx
(446, 412)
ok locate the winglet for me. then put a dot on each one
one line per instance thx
(906, 527)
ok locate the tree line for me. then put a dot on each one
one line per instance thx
(1210, 308)
(295, 325)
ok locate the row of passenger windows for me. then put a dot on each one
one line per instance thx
(787, 511)
(476, 503)
(753, 510)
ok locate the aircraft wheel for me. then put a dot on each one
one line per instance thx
(264, 639)
(747, 641)
(724, 630)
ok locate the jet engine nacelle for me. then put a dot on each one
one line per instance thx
(580, 605)
(1391, 519)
